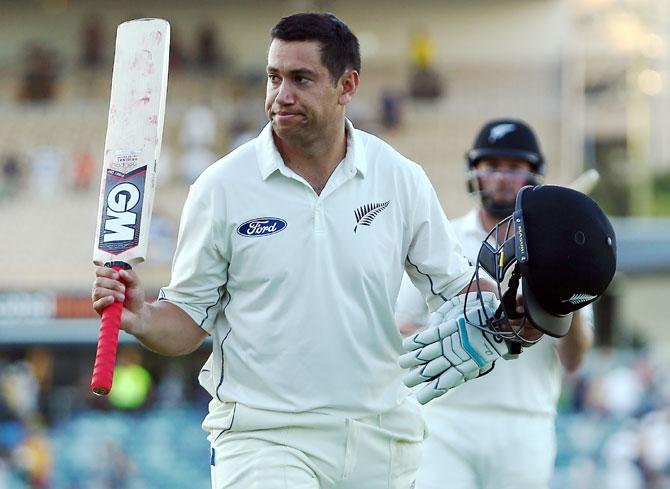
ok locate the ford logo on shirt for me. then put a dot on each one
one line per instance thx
(261, 226)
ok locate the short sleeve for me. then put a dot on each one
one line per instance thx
(199, 269)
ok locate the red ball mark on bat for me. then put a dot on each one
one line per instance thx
(145, 100)
(141, 58)
(153, 119)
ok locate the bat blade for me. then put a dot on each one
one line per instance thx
(133, 142)
(132, 149)
(586, 182)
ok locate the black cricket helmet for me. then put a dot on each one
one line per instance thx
(505, 138)
(560, 246)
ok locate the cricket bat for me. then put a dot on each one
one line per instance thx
(132, 148)
(586, 182)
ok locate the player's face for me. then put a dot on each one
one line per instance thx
(302, 101)
(501, 178)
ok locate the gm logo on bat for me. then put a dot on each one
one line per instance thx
(123, 212)
(261, 226)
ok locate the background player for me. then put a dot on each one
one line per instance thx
(509, 412)
(290, 255)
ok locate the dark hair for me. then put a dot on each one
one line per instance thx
(339, 46)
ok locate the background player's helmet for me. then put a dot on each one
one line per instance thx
(500, 138)
(561, 248)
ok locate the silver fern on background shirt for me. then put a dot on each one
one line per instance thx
(366, 213)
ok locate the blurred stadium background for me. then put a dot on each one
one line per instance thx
(590, 75)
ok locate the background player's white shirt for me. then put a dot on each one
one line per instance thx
(301, 318)
(531, 383)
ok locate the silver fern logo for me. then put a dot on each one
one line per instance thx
(367, 213)
(500, 131)
(579, 298)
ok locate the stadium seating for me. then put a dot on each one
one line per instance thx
(163, 448)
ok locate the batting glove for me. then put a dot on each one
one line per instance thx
(451, 351)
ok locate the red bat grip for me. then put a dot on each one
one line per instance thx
(108, 340)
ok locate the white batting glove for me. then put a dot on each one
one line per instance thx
(451, 351)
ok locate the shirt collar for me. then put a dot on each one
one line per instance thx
(269, 159)
(355, 157)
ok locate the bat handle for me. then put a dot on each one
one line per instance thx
(108, 341)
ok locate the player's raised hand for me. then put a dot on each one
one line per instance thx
(452, 350)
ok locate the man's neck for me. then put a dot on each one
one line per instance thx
(317, 160)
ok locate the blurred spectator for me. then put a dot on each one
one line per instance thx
(19, 390)
(92, 44)
(390, 113)
(34, 460)
(622, 430)
(620, 392)
(25, 454)
(624, 475)
(198, 127)
(119, 468)
(12, 433)
(163, 238)
(655, 447)
(40, 77)
(83, 170)
(422, 49)
(178, 60)
(362, 114)
(425, 82)
(4, 473)
(209, 56)
(46, 165)
(41, 364)
(11, 176)
(621, 448)
(198, 136)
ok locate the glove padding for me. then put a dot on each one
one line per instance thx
(451, 351)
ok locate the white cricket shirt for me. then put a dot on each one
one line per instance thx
(531, 383)
(297, 289)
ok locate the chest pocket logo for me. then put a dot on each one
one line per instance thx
(261, 226)
(367, 213)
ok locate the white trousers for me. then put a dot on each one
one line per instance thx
(486, 449)
(266, 450)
